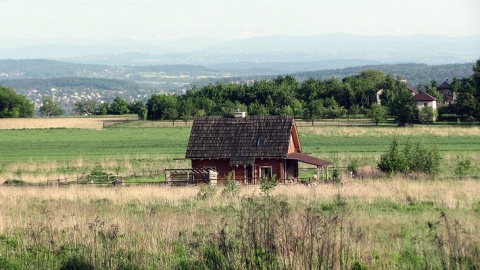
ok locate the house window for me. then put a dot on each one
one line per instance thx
(261, 141)
(265, 172)
(425, 104)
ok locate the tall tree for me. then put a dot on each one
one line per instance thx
(314, 111)
(14, 105)
(399, 101)
(50, 108)
(476, 83)
(377, 114)
(119, 106)
(427, 115)
(160, 107)
(86, 107)
(467, 102)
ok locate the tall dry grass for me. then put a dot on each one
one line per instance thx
(439, 131)
(41, 171)
(155, 223)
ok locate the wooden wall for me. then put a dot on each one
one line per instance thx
(239, 173)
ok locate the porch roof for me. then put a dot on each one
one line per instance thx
(308, 159)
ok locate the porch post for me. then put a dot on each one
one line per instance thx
(244, 174)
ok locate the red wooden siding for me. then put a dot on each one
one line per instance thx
(240, 173)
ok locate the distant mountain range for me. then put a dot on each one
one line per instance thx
(260, 55)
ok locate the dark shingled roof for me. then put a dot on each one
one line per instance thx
(238, 138)
(445, 85)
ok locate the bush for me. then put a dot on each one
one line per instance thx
(76, 263)
(15, 182)
(97, 174)
(206, 192)
(464, 165)
(353, 166)
(413, 158)
(393, 161)
(232, 187)
(268, 184)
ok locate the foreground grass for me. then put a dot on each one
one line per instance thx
(394, 224)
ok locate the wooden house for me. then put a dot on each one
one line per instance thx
(249, 148)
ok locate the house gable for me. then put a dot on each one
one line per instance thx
(294, 145)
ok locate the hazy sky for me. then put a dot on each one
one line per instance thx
(170, 19)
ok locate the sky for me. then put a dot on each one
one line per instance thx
(99, 20)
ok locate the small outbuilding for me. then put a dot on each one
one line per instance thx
(248, 148)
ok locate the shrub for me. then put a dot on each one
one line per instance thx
(464, 165)
(206, 192)
(76, 263)
(353, 166)
(268, 184)
(15, 182)
(232, 187)
(97, 174)
(393, 161)
(414, 158)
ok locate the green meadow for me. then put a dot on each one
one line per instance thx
(70, 144)
(40, 154)
(376, 222)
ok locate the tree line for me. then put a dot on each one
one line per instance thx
(312, 99)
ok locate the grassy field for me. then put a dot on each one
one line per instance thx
(369, 223)
(35, 155)
(374, 224)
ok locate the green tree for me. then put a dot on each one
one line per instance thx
(171, 113)
(476, 84)
(142, 114)
(158, 104)
(354, 110)
(14, 105)
(187, 109)
(314, 111)
(393, 161)
(86, 107)
(427, 115)
(402, 106)
(119, 106)
(467, 103)
(50, 108)
(136, 106)
(414, 158)
(256, 108)
(378, 114)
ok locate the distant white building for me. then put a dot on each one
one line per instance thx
(425, 100)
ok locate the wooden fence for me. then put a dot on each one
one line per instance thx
(178, 177)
